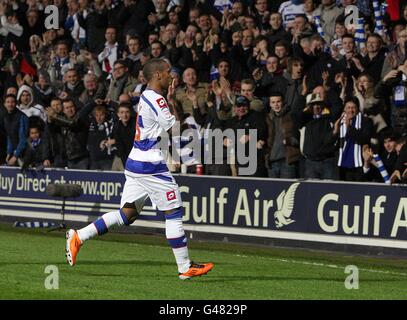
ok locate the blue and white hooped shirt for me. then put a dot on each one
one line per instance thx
(153, 118)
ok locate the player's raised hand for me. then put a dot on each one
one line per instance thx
(171, 90)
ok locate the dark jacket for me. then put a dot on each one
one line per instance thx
(210, 121)
(75, 133)
(34, 156)
(374, 67)
(124, 136)
(401, 163)
(95, 24)
(398, 110)
(135, 16)
(252, 120)
(16, 127)
(319, 141)
(289, 132)
(98, 133)
(3, 136)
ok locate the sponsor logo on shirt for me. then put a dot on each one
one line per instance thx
(161, 103)
(171, 195)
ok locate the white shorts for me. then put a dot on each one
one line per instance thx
(161, 188)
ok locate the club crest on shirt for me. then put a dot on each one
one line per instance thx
(171, 195)
(161, 103)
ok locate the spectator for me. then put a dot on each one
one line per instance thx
(93, 90)
(57, 145)
(183, 99)
(26, 104)
(328, 13)
(94, 22)
(133, 55)
(11, 29)
(354, 131)
(394, 85)
(111, 51)
(74, 128)
(123, 135)
(247, 90)
(245, 119)
(388, 155)
(73, 86)
(100, 143)
(396, 56)
(369, 104)
(289, 10)
(3, 138)
(16, 128)
(283, 140)
(319, 142)
(216, 163)
(294, 76)
(372, 63)
(134, 15)
(37, 153)
(43, 90)
(60, 63)
(400, 172)
(121, 82)
(270, 79)
(277, 31)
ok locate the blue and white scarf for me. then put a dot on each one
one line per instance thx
(350, 153)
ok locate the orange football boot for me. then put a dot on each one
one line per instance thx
(73, 244)
(196, 270)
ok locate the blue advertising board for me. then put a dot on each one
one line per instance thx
(332, 212)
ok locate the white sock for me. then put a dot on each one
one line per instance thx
(175, 234)
(102, 225)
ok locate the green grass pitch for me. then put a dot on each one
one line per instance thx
(130, 266)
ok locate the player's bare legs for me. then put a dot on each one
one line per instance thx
(74, 239)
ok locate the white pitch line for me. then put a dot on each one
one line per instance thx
(332, 266)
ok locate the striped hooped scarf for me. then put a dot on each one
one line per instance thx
(350, 153)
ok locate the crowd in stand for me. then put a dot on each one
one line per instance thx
(327, 96)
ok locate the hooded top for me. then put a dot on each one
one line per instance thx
(30, 109)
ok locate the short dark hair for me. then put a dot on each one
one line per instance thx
(152, 66)
(276, 94)
(68, 100)
(347, 35)
(120, 61)
(375, 35)
(124, 104)
(354, 100)
(10, 95)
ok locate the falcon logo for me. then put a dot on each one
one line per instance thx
(285, 205)
(161, 103)
(171, 195)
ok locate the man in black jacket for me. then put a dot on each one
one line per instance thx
(74, 128)
(101, 151)
(400, 172)
(123, 134)
(319, 142)
(38, 152)
(245, 120)
(3, 140)
(16, 127)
